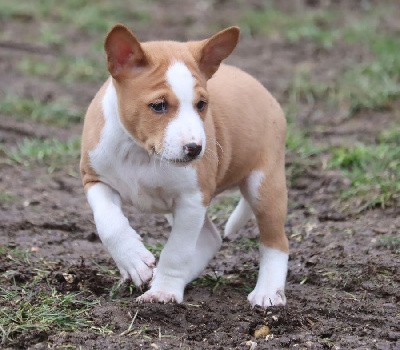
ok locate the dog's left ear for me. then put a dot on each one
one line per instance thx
(211, 52)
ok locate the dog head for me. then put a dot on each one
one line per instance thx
(162, 89)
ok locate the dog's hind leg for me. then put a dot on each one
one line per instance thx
(267, 194)
(240, 216)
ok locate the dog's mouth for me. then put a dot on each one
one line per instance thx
(176, 161)
(181, 161)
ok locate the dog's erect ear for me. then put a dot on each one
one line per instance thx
(124, 52)
(212, 51)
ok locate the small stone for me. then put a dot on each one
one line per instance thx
(262, 332)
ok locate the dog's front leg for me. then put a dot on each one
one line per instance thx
(123, 243)
(174, 269)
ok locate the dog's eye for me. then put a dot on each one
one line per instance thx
(159, 107)
(201, 105)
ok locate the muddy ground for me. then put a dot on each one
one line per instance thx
(343, 283)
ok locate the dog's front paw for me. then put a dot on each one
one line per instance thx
(158, 297)
(267, 298)
(134, 261)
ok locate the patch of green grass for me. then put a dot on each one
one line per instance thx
(7, 197)
(375, 84)
(67, 69)
(51, 152)
(301, 154)
(389, 242)
(155, 249)
(91, 16)
(243, 281)
(215, 282)
(119, 288)
(297, 141)
(321, 26)
(372, 85)
(27, 310)
(16, 9)
(32, 305)
(315, 26)
(363, 30)
(374, 171)
(97, 16)
(55, 112)
(49, 36)
(15, 254)
(303, 88)
(249, 243)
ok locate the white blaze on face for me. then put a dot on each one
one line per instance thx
(186, 127)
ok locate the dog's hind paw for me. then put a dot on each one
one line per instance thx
(277, 298)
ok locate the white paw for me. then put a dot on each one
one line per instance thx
(267, 298)
(134, 261)
(158, 297)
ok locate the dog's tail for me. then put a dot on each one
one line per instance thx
(239, 217)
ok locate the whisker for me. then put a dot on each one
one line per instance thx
(219, 145)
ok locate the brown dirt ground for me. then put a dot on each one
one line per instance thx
(342, 289)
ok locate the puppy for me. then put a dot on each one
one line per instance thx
(171, 128)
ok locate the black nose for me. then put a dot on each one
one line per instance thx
(192, 150)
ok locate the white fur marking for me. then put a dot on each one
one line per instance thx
(186, 127)
(254, 181)
(181, 81)
(270, 287)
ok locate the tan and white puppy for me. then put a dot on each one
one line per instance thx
(169, 130)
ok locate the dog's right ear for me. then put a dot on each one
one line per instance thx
(124, 52)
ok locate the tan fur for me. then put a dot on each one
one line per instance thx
(244, 124)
